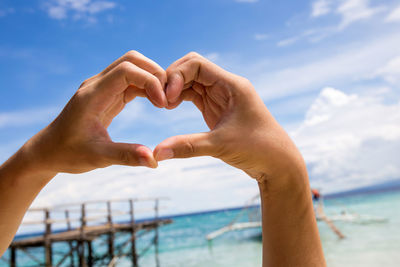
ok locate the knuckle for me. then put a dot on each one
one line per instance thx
(240, 82)
(150, 82)
(193, 54)
(162, 75)
(246, 83)
(83, 83)
(131, 55)
(82, 95)
(188, 147)
(79, 94)
(86, 82)
(125, 66)
(170, 71)
(125, 157)
(197, 61)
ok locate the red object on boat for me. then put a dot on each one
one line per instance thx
(316, 194)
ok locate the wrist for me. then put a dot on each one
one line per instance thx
(29, 165)
(288, 179)
(21, 170)
(34, 161)
(35, 154)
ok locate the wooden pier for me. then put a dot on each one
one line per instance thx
(82, 232)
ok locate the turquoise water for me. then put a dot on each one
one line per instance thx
(375, 244)
(183, 243)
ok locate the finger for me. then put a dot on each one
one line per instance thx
(132, 92)
(189, 95)
(191, 68)
(185, 146)
(142, 62)
(127, 74)
(198, 88)
(183, 59)
(190, 85)
(114, 109)
(175, 104)
(127, 154)
(194, 97)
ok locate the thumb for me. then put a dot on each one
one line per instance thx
(128, 154)
(185, 146)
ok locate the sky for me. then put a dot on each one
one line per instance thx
(328, 70)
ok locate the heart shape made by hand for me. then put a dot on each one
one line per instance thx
(242, 131)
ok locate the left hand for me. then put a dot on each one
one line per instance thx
(77, 140)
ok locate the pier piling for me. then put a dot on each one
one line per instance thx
(80, 237)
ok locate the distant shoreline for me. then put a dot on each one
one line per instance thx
(373, 189)
(393, 185)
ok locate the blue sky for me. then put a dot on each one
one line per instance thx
(329, 70)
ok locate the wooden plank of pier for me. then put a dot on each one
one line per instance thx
(83, 235)
(90, 233)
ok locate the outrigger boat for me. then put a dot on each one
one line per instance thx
(254, 217)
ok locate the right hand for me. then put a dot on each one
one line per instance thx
(243, 132)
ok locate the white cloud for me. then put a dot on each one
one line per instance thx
(321, 8)
(57, 12)
(99, 6)
(394, 16)
(191, 185)
(313, 35)
(355, 10)
(321, 109)
(24, 118)
(260, 36)
(349, 11)
(356, 62)
(288, 41)
(132, 113)
(350, 141)
(61, 9)
(391, 71)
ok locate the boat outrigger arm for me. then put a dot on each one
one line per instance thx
(233, 227)
(255, 221)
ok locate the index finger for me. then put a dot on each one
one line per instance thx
(120, 78)
(191, 68)
(142, 62)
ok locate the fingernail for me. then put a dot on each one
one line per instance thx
(172, 82)
(167, 91)
(161, 101)
(148, 162)
(164, 154)
(164, 101)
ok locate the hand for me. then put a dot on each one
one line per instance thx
(243, 132)
(245, 135)
(77, 141)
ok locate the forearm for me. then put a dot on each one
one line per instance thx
(21, 179)
(290, 233)
(77, 141)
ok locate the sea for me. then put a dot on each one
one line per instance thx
(371, 239)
